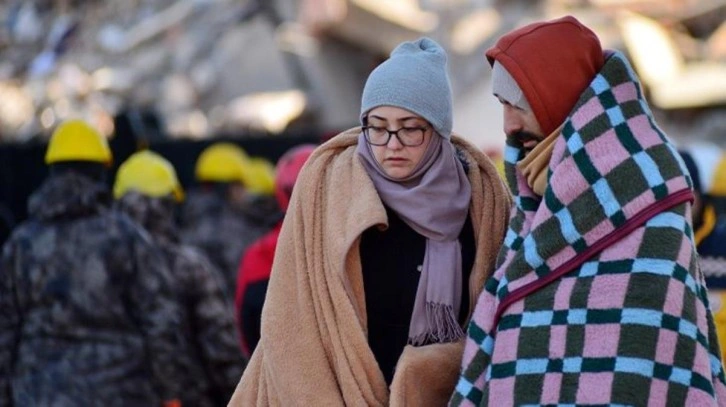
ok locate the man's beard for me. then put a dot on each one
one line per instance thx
(522, 137)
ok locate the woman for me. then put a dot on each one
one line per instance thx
(391, 231)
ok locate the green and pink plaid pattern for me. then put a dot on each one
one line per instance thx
(597, 298)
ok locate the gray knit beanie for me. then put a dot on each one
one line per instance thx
(504, 86)
(413, 78)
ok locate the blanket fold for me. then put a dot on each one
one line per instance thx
(313, 348)
(628, 322)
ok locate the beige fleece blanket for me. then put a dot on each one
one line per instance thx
(313, 349)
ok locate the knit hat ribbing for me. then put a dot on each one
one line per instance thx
(553, 62)
(413, 78)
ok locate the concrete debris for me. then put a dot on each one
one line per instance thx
(93, 59)
(207, 67)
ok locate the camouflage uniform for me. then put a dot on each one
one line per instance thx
(214, 360)
(224, 231)
(87, 310)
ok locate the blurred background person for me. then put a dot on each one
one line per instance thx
(256, 264)
(222, 215)
(697, 208)
(260, 182)
(148, 190)
(713, 239)
(712, 248)
(88, 315)
(711, 257)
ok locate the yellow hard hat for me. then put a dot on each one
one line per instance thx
(259, 177)
(717, 300)
(149, 174)
(221, 162)
(718, 186)
(75, 140)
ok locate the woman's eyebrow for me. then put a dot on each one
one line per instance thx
(401, 119)
(414, 118)
(383, 119)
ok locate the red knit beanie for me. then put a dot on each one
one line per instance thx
(553, 62)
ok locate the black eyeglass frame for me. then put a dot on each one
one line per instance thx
(423, 130)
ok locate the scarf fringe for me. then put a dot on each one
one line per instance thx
(443, 326)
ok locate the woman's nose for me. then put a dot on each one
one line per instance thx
(393, 142)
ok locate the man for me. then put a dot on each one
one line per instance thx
(148, 190)
(597, 297)
(87, 310)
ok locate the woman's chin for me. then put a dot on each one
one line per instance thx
(398, 172)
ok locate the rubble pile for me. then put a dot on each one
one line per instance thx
(92, 59)
(209, 67)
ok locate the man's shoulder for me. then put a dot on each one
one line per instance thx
(23, 232)
(118, 224)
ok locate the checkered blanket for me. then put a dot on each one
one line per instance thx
(597, 297)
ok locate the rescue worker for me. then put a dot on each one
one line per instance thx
(87, 308)
(148, 190)
(222, 216)
(712, 250)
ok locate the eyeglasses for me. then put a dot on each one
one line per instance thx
(407, 136)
